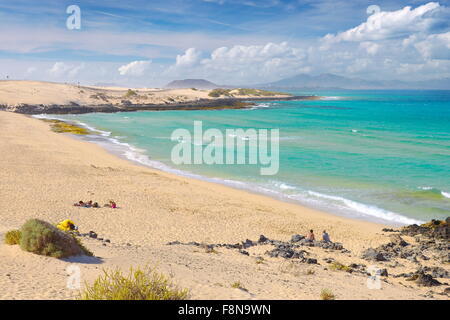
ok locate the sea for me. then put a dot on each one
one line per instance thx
(376, 155)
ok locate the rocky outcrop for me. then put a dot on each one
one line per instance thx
(287, 250)
(431, 242)
(436, 229)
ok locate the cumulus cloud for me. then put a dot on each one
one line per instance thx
(135, 68)
(61, 69)
(435, 46)
(394, 24)
(370, 47)
(190, 58)
(255, 59)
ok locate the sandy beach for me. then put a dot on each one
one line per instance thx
(44, 173)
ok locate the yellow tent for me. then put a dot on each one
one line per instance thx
(66, 225)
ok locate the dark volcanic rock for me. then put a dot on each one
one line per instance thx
(311, 261)
(436, 272)
(297, 238)
(434, 229)
(262, 239)
(426, 280)
(247, 244)
(389, 230)
(384, 272)
(373, 255)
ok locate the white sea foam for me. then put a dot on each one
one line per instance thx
(335, 203)
(368, 209)
(341, 204)
(330, 98)
(446, 194)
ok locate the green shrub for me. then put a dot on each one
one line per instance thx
(42, 238)
(258, 92)
(13, 237)
(238, 285)
(130, 93)
(216, 93)
(326, 294)
(136, 285)
(339, 266)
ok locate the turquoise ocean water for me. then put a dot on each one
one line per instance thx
(376, 155)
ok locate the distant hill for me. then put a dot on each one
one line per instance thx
(193, 83)
(332, 81)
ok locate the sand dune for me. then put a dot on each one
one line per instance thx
(15, 93)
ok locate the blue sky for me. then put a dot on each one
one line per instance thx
(148, 43)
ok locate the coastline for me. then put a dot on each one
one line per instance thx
(155, 208)
(37, 97)
(128, 152)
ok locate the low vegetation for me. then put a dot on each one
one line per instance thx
(64, 127)
(13, 237)
(138, 284)
(237, 285)
(257, 92)
(99, 96)
(326, 294)
(310, 272)
(259, 260)
(130, 93)
(42, 238)
(216, 93)
(434, 224)
(290, 267)
(340, 267)
(208, 249)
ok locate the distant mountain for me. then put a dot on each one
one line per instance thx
(193, 83)
(331, 81)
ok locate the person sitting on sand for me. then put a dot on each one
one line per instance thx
(89, 204)
(325, 236)
(79, 204)
(111, 205)
(311, 236)
(95, 205)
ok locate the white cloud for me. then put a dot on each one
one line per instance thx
(135, 68)
(393, 24)
(370, 47)
(435, 46)
(257, 62)
(64, 70)
(190, 58)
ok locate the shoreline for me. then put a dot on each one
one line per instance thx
(128, 152)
